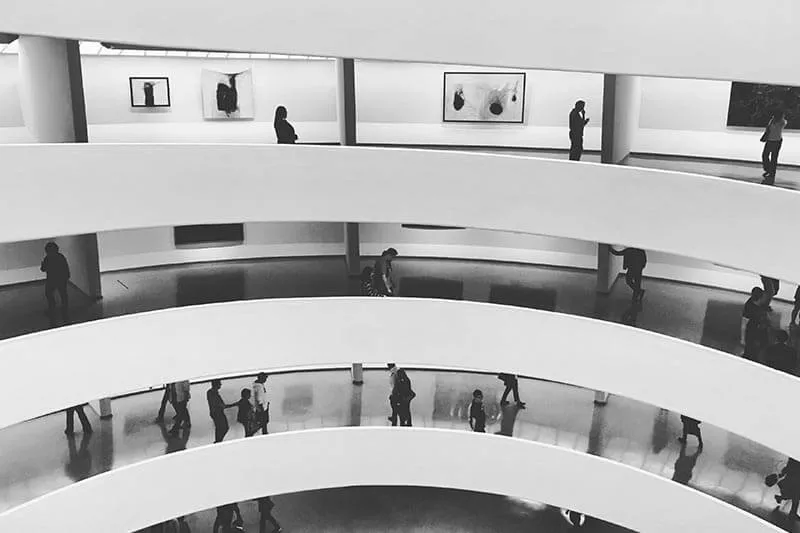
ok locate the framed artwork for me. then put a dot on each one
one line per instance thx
(149, 92)
(209, 235)
(752, 104)
(227, 96)
(484, 97)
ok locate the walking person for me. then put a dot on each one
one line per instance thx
(227, 516)
(690, 427)
(56, 268)
(756, 328)
(284, 131)
(773, 140)
(216, 408)
(402, 394)
(633, 262)
(260, 402)
(392, 382)
(265, 506)
(577, 123)
(382, 273)
(477, 415)
(246, 414)
(788, 481)
(180, 394)
(511, 385)
(71, 411)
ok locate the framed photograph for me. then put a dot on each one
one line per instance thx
(149, 92)
(208, 235)
(752, 104)
(227, 96)
(484, 97)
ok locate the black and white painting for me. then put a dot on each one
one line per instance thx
(149, 92)
(752, 104)
(484, 97)
(227, 96)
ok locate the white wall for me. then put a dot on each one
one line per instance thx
(328, 458)
(338, 184)
(630, 362)
(401, 103)
(689, 117)
(626, 104)
(719, 39)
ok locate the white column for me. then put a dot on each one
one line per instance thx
(622, 102)
(608, 268)
(45, 89)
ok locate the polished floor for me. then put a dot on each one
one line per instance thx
(403, 510)
(41, 458)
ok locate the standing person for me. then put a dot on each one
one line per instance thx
(56, 267)
(780, 355)
(382, 273)
(225, 517)
(633, 262)
(392, 383)
(577, 123)
(216, 408)
(755, 331)
(511, 385)
(402, 396)
(690, 427)
(477, 416)
(261, 403)
(265, 506)
(87, 427)
(283, 130)
(773, 140)
(246, 414)
(180, 395)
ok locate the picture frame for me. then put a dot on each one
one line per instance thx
(228, 95)
(149, 91)
(484, 97)
(752, 104)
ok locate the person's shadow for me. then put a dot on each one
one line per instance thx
(685, 464)
(79, 466)
(631, 315)
(508, 419)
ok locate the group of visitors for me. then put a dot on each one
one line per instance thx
(229, 517)
(763, 342)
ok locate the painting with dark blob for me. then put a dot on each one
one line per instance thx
(149, 92)
(227, 96)
(752, 104)
(484, 97)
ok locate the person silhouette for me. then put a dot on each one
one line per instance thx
(79, 466)
(577, 123)
(56, 268)
(284, 131)
(633, 262)
(684, 465)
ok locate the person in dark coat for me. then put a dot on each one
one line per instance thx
(382, 273)
(633, 262)
(755, 331)
(283, 130)
(789, 485)
(402, 394)
(55, 266)
(477, 415)
(265, 506)
(216, 408)
(577, 123)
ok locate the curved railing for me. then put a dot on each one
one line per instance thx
(137, 186)
(159, 489)
(135, 352)
(719, 39)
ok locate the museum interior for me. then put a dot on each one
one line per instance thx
(358, 267)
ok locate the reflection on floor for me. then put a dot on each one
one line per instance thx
(698, 314)
(729, 467)
(403, 510)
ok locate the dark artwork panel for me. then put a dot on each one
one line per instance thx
(535, 298)
(196, 288)
(722, 326)
(752, 104)
(424, 287)
(149, 92)
(209, 234)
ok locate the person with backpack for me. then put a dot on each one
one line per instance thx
(402, 394)
(788, 481)
(633, 262)
(477, 416)
(511, 385)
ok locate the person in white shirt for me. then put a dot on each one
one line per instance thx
(261, 403)
(180, 393)
(773, 140)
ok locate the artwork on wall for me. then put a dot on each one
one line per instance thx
(149, 92)
(752, 104)
(484, 97)
(227, 96)
(209, 235)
